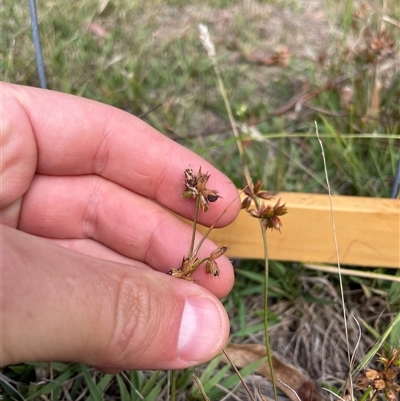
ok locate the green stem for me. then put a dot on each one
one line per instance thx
(174, 376)
(267, 343)
(196, 213)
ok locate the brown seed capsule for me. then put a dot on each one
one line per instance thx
(280, 210)
(370, 374)
(178, 273)
(267, 212)
(218, 252)
(203, 203)
(212, 268)
(276, 223)
(264, 195)
(212, 198)
(379, 384)
(246, 202)
(186, 265)
(363, 383)
(258, 186)
(201, 180)
(255, 213)
(392, 392)
(248, 191)
(191, 180)
(210, 194)
(391, 372)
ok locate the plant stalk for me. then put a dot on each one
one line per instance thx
(267, 343)
(174, 376)
(196, 213)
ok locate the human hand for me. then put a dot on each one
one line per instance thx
(99, 182)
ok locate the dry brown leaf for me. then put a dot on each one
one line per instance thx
(243, 355)
(279, 57)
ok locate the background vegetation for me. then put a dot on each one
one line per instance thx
(286, 64)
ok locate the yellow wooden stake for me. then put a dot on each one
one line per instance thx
(368, 231)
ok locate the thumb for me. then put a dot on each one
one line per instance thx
(62, 305)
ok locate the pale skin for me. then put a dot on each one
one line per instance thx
(88, 236)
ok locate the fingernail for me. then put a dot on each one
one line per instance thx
(201, 329)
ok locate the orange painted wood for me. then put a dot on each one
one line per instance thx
(367, 229)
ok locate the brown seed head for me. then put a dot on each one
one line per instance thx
(267, 213)
(202, 180)
(370, 374)
(392, 393)
(276, 223)
(195, 187)
(280, 210)
(211, 195)
(218, 252)
(191, 180)
(186, 266)
(258, 186)
(379, 384)
(203, 203)
(255, 213)
(264, 195)
(212, 268)
(391, 372)
(247, 190)
(178, 273)
(246, 202)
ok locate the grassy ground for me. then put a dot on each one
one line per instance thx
(285, 64)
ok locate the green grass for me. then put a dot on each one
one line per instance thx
(151, 54)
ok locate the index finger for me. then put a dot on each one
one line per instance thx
(77, 136)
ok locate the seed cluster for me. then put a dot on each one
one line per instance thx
(383, 381)
(195, 188)
(268, 215)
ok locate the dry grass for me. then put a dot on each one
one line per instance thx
(310, 333)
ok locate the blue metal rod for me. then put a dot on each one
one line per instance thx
(36, 42)
(396, 182)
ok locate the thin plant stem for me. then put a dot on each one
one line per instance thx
(266, 332)
(174, 375)
(256, 200)
(239, 375)
(200, 387)
(122, 374)
(337, 258)
(212, 227)
(210, 48)
(196, 214)
(245, 167)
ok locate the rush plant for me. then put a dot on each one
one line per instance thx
(195, 188)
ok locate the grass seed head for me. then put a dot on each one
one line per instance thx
(212, 268)
(178, 273)
(218, 252)
(246, 202)
(195, 187)
(383, 381)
